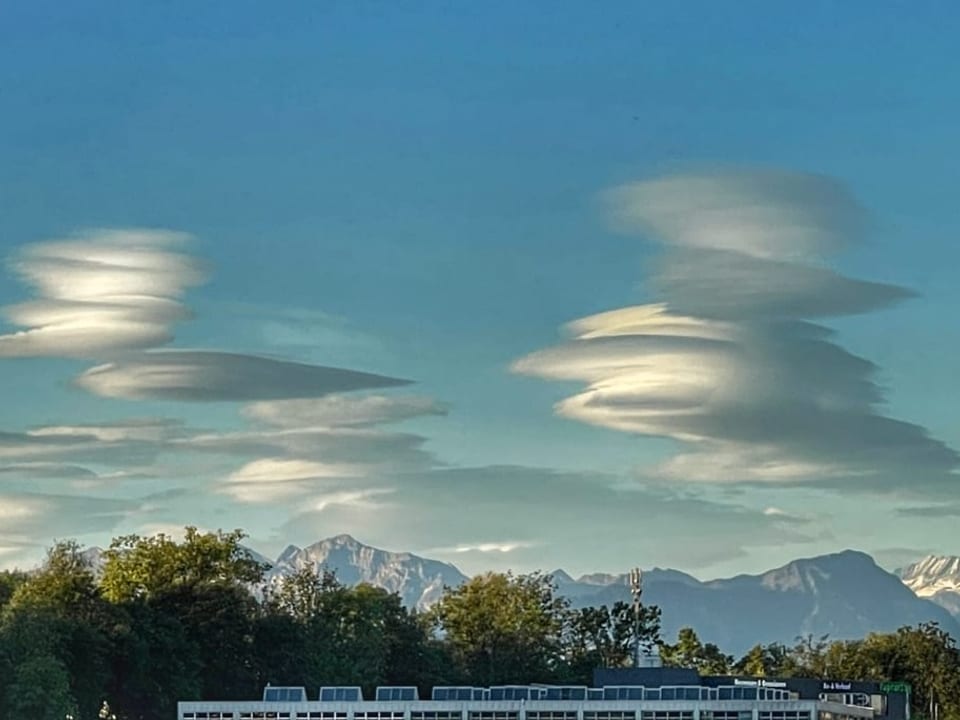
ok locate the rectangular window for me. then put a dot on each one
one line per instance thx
(456, 693)
(551, 715)
(436, 715)
(340, 694)
(493, 715)
(565, 693)
(625, 693)
(396, 694)
(667, 715)
(720, 715)
(785, 715)
(609, 715)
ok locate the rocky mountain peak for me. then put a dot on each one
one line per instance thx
(936, 578)
(933, 569)
(418, 581)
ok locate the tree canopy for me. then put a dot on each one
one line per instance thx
(170, 620)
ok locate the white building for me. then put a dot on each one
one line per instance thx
(532, 702)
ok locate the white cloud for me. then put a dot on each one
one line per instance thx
(36, 447)
(134, 429)
(32, 521)
(761, 213)
(729, 363)
(508, 546)
(277, 479)
(101, 292)
(205, 376)
(170, 530)
(75, 476)
(368, 447)
(341, 410)
(17, 509)
(307, 442)
(48, 470)
(357, 498)
(283, 469)
(29, 520)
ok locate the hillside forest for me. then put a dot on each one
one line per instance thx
(168, 620)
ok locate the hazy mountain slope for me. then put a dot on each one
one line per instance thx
(845, 595)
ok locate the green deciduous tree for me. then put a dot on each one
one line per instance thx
(61, 602)
(138, 567)
(690, 652)
(10, 580)
(358, 635)
(504, 628)
(40, 689)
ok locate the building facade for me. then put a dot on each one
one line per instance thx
(663, 694)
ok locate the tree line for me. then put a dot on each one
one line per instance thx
(167, 620)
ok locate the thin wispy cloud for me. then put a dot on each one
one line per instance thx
(27, 517)
(730, 362)
(507, 546)
(342, 410)
(930, 512)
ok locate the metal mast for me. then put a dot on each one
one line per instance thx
(636, 590)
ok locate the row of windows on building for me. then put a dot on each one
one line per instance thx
(530, 693)
(510, 715)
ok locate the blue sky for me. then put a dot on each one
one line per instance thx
(418, 191)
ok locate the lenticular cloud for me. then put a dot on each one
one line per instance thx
(731, 362)
(115, 296)
(101, 292)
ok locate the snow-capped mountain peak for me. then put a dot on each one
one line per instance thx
(932, 574)
(937, 578)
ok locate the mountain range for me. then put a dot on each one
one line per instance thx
(845, 595)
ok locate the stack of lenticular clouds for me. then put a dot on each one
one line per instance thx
(731, 361)
(115, 296)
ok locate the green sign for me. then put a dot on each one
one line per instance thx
(895, 687)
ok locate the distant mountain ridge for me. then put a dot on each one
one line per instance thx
(417, 580)
(845, 595)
